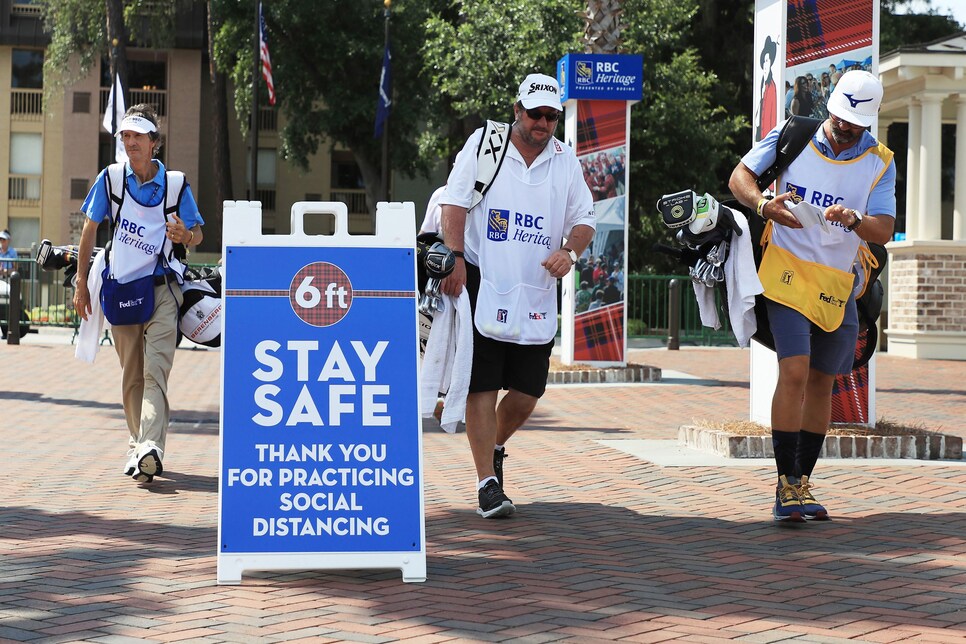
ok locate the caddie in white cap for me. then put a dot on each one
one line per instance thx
(540, 90)
(517, 213)
(856, 98)
(837, 195)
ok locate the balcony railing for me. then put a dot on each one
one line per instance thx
(24, 190)
(267, 197)
(26, 10)
(26, 104)
(354, 200)
(267, 119)
(155, 97)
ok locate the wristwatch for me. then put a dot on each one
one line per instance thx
(858, 220)
(573, 255)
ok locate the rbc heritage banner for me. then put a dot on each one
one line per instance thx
(599, 90)
(812, 43)
(320, 428)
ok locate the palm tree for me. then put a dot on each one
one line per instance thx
(602, 28)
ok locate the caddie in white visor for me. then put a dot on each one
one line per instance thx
(137, 124)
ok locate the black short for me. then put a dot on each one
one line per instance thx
(505, 365)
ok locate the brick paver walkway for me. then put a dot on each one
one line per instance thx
(605, 546)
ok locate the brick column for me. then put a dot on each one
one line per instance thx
(927, 299)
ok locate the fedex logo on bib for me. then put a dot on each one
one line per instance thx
(816, 198)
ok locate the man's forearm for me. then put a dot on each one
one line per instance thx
(85, 249)
(453, 222)
(580, 238)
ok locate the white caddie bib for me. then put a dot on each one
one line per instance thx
(824, 182)
(138, 239)
(519, 225)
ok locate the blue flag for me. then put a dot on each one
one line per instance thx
(385, 92)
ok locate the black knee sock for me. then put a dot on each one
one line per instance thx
(809, 447)
(784, 444)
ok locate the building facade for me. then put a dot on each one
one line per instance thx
(52, 153)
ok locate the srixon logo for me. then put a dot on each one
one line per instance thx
(130, 303)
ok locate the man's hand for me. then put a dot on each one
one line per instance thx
(776, 211)
(558, 264)
(82, 299)
(453, 283)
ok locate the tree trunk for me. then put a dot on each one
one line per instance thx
(221, 153)
(117, 35)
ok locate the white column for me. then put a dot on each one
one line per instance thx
(959, 189)
(930, 155)
(912, 169)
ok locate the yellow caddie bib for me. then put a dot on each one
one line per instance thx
(818, 292)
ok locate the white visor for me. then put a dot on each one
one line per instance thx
(136, 124)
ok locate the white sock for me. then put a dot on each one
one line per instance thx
(479, 486)
(497, 448)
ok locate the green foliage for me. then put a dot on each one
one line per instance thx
(680, 138)
(78, 36)
(899, 29)
(151, 23)
(476, 54)
(326, 61)
(477, 58)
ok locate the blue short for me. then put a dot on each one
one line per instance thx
(796, 335)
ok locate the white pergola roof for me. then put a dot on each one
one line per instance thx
(937, 68)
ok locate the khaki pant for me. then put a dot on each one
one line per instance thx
(146, 352)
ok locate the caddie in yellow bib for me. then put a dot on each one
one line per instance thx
(835, 196)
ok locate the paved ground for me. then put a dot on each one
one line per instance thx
(606, 545)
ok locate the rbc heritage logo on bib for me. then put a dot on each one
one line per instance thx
(497, 224)
(798, 192)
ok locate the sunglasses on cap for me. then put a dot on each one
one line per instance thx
(536, 114)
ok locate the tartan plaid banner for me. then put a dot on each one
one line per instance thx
(599, 334)
(821, 28)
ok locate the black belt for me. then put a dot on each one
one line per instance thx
(161, 280)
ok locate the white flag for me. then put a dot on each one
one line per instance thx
(114, 114)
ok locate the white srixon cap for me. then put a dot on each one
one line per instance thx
(136, 124)
(540, 90)
(856, 98)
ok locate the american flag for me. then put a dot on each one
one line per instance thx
(266, 59)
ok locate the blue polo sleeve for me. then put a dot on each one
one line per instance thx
(188, 209)
(882, 199)
(97, 204)
(763, 154)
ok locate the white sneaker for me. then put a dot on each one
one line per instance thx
(132, 461)
(148, 459)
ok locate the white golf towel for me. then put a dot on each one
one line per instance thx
(741, 280)
(447, 362)
(90, 331)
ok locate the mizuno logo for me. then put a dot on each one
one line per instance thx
(855, 101)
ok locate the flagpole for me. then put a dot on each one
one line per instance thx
(385, 126)
(256, 69)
